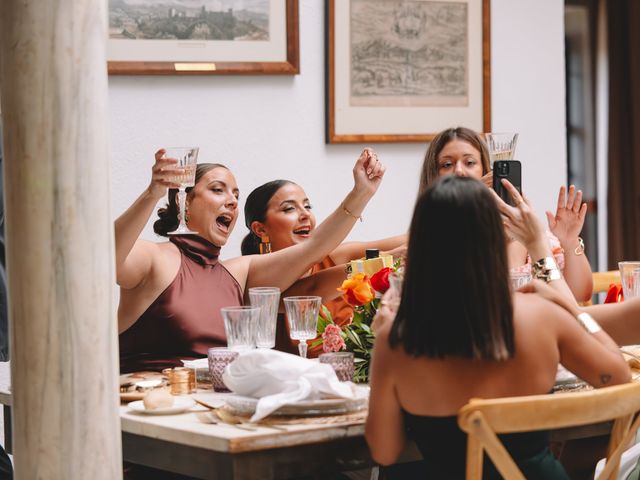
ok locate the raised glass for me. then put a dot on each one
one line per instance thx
(302, 315)
(240, 324)
(185, 176)
(267, 299)
(501, 146)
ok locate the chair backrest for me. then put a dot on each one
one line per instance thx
(601, 283)
(482, 420)
(602, 280)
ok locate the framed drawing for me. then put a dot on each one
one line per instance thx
(203, 37)
(402, 70)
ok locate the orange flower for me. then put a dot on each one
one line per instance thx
(357, 290)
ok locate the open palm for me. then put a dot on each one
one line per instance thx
(567, 223)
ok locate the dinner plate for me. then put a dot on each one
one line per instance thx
(180, 404)
(243, 405)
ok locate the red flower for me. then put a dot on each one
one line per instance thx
(380, 279)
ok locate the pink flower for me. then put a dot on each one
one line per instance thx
(332, 339)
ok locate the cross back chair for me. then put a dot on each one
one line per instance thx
(483, 419)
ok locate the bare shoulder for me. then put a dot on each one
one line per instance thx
(239, 267)
(532, 307)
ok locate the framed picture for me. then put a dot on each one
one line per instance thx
(403, 70)
(203, 37)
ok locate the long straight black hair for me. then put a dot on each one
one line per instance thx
(456, 298)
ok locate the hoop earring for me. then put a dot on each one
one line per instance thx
(265, 244)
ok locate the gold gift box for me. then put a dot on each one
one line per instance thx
(370, 266)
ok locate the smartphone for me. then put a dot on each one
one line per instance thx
(512, 171)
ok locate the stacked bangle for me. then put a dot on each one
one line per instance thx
(546, 269)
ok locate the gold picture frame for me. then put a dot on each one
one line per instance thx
(130, 55)
(398, 71)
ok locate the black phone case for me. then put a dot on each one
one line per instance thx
(512, 171)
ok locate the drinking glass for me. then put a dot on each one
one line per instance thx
(240, 324)
(302, 314)
(502, 146)
(267, 299)
(630, 276)
(219, 358)
(187, 160)
(342, 363)
(518, 279)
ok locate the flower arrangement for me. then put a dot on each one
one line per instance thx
(363, 294)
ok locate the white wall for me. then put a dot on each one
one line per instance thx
(273, 127)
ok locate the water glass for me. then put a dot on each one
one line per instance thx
(267, 299)
(240, 324)
(630, 276)
(501, 146)
(342, 363)
(219, 358)
(519, 279)
(302, 314)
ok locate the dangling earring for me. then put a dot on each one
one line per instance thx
(265, 244)
(186, 214)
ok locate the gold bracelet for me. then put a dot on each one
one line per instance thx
(546, 269)
(346, 210)
(579, 250)
(588, 322)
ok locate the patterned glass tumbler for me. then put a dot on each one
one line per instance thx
(219, 358)
(342, 363)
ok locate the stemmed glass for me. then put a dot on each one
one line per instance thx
(501, 146)
(302, 314)
(187, 160)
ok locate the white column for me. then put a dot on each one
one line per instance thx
(53, 83)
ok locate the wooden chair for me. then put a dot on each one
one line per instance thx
(601, 282)
(482, 420)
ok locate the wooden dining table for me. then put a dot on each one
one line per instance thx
(310, 447)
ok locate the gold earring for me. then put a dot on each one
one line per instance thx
(265, 244)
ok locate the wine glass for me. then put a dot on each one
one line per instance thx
(302, 314)
(501, 146)
(187, 160)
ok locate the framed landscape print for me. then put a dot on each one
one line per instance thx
(402, 70)
(202, 37)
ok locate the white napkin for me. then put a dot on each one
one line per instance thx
(278, 378)
(197, 363)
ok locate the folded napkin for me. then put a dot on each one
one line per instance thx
(278, 378)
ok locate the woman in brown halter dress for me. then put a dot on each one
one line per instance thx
(171, 293)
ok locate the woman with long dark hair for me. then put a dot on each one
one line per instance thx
(459, 333)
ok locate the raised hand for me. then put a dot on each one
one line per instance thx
(160, 175)
(520, 221)
(487, 179)
(567, 223)
(368, 171)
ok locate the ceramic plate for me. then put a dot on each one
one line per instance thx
(242, 405)
(180, 404)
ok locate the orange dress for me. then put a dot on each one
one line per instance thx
(341, 313)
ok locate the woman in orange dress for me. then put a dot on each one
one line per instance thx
(281, 212)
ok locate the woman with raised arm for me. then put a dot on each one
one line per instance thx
(280, 213)
(460, 151)
(171, 293)
(459, 332)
